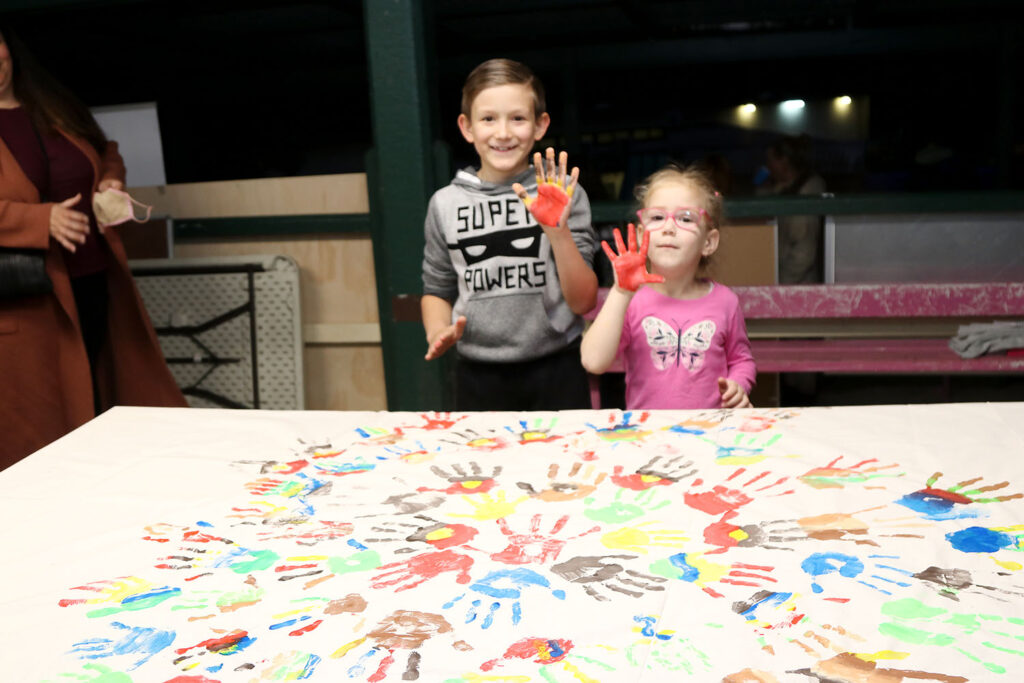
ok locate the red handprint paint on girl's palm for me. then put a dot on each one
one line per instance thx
(630, 264)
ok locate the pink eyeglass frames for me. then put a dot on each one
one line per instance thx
(685, 217)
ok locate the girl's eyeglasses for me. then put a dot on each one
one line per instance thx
(685, 217)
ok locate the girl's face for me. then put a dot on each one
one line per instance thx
(676, 247)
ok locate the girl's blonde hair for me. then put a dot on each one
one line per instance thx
(696, 177)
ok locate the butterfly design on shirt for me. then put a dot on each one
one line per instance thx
(671, 346)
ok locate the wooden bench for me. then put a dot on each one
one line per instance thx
(871, 328)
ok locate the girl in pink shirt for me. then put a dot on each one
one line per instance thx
(680, 335)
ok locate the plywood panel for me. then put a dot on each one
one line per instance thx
(303, 195)
(344, 378)
(746, 255)
(337, 275)
(338, 295)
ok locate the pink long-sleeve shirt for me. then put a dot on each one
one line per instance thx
(674, 350)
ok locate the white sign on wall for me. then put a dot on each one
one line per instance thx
(136, 129)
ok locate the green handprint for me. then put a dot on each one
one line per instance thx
(909, 615)
(98, 673)
(225, 601)
(626, 506)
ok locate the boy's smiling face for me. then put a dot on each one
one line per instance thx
(502, 127)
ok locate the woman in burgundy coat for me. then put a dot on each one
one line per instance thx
(88, 345)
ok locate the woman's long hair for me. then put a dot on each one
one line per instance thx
(46, 100)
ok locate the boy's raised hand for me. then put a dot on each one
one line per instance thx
(551, 207)
(446, 339)
(631, 263)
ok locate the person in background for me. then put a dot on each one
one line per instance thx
(681, 336)
(719, 171)
(506, 277)
(800, 237)
(67, 355)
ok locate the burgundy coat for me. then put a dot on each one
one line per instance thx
(45, 384)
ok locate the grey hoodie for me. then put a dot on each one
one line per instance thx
(487, 255)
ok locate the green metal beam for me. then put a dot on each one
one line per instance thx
(400, 180)
(616, 212)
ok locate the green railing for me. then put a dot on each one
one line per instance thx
(620, 212)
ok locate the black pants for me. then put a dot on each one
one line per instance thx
(554, 382)
(91, 300)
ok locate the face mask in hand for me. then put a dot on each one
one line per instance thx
(113, 207)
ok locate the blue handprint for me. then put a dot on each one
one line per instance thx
(144, 641)
(979, 539)
(851, 567)
(502, 585)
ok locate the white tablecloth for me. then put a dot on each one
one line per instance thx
(861, 544)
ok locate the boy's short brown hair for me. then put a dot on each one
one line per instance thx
(502, 71)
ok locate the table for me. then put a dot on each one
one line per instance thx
(878, 543)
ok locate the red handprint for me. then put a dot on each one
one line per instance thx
(423, 567)
(723, 534)
(554, 189)
(534, 546)
(721, 499)
(550, 203)
(631, 264)
(439, 420)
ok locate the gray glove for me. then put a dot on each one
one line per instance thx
(979, 339)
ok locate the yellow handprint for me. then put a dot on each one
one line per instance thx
(488, 507)
(636, 540)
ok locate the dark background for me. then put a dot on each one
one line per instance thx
(275, 88)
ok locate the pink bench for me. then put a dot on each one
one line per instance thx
(872, 328)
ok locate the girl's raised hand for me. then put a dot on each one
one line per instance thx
(631, 263)
(551, 207)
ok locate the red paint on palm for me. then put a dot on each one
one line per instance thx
(630, 264)
(547, 208)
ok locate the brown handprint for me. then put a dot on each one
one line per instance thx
(579, 482)
(592, 572)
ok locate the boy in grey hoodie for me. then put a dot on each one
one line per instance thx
(505, 289)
